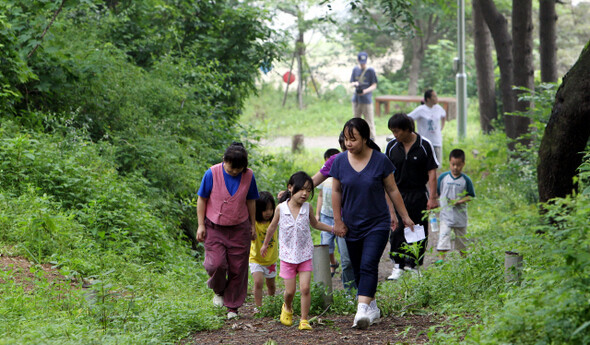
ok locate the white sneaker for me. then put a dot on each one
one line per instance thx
(232, 315)
(361, 319)
(396, 273)
(218, 300)
(374, 313)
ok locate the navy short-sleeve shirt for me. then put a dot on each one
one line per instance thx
(364, 208)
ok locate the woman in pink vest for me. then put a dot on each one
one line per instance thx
(226, 209)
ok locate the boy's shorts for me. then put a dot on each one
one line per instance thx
(289, 270)
(269, 271)
(445, 240)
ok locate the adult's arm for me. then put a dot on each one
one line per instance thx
(339, 227)
(318, 178)
(433, 197)
(370, 89)
(442, 123)
(397, 200)
(251, 205)
(201, 210)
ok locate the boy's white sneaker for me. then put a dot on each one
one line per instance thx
(396, 273)
(232, 315)
(362, 319)
(218, 300)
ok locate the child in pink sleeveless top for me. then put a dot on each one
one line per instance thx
(293, 217)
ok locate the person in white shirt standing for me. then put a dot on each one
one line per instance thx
(430, 120)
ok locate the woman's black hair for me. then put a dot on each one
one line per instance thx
(341, 140)
(363, 128)
(401, 121)
(262, 204)
(298, 180)
(236, 155)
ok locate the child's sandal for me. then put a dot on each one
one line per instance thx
(304, 325)
(335, 267)
(286, 317)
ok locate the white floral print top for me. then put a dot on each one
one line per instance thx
(295, 242)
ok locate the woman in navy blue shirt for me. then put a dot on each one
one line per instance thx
(363, 177)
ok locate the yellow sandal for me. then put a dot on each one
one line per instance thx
(286, 317)
(304, 325)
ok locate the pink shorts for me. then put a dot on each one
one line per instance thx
(289, 271)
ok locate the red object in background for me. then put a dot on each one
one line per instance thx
(288, 77)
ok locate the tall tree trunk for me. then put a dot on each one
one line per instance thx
(498, 26)
(567, 132)
(417, 56)
(523, 73)
(300, 48)
(547, 23)
(484, 65)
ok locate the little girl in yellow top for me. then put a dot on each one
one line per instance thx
(264, 268)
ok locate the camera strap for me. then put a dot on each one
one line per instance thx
(360, 80)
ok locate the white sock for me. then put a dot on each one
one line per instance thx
(396, 265)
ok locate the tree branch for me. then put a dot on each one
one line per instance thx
(47, 28)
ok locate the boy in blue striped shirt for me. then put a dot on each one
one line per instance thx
(455, 189)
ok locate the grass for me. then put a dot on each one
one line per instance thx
(324, 117)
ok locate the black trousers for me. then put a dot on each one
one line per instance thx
(415, 202)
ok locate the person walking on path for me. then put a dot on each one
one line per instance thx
(293, 217)
(430, 119)
(226, 211)
(363, 177)
(325, 214)
(456, 189)
(416, 164)
(264, 269)
(364, 82)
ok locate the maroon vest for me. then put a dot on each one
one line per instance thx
(223, 208)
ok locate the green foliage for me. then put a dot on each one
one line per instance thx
(437, 69)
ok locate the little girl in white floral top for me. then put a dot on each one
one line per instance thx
(293, 216)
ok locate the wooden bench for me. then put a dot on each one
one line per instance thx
(449, 104)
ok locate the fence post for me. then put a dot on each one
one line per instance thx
(512, 266)
(321, 272)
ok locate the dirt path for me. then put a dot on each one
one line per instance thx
(332, 329)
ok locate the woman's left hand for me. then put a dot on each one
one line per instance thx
(340, 229)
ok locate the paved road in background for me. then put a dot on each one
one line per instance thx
(323, 142)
